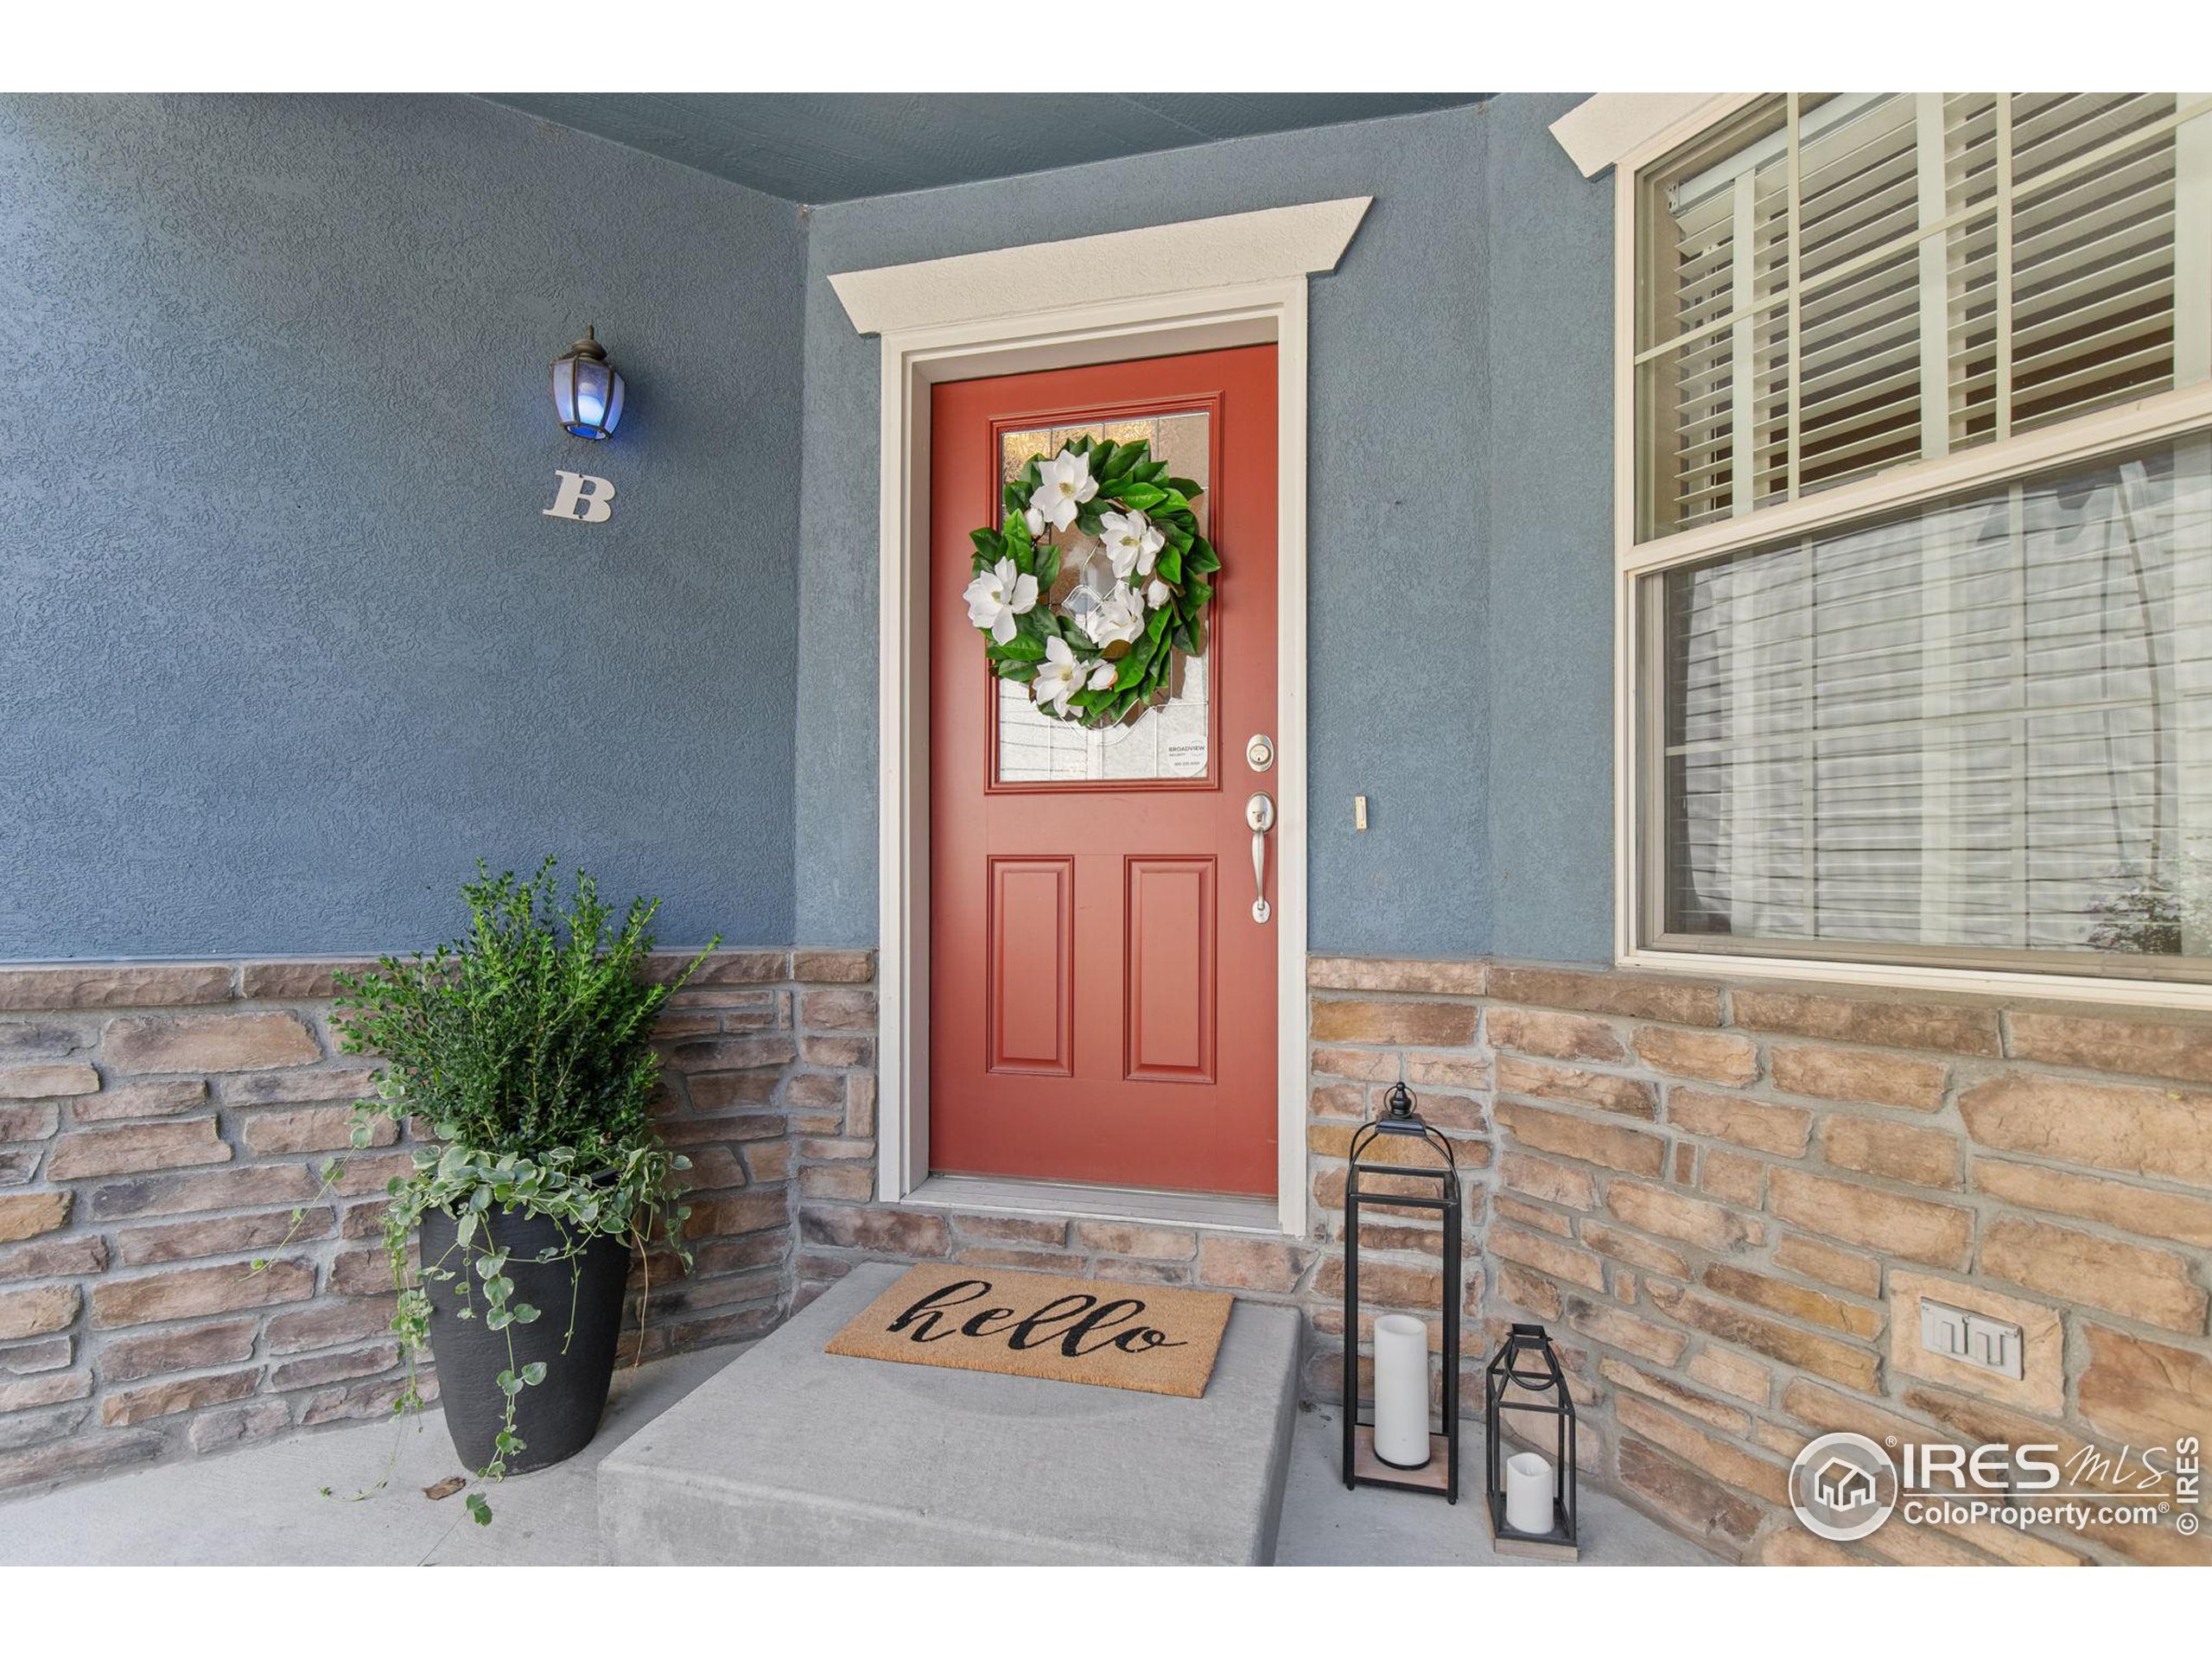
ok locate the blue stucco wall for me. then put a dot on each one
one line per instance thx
(1547, 615)
(285, 643)
(1459, 472)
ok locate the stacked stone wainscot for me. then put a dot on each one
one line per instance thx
(1726, 1199)
(163, 1128)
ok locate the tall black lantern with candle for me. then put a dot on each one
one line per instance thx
(1394, 1444)
(1530, 1491)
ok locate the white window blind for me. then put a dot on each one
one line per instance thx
(1980, 729)
(1839, 283)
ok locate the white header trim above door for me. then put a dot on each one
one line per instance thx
(1268, 245)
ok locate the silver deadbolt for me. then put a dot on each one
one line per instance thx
(1260, 752)
(1260, 817)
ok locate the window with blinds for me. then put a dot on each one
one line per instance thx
(1976, 731)
(1836, 284)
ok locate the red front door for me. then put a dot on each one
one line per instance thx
(1103, 999)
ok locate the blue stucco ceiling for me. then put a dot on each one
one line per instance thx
(821, 147)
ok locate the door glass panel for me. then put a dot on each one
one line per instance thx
(1171, 739)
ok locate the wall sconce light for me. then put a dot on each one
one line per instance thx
(587, 390)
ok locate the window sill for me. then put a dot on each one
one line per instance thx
(2013, 987)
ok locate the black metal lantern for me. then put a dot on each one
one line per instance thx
(587, 390)
(1531, 1512)
(1380, 1148)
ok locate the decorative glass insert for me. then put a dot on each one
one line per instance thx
(1978, 732)
(1837, 283)
(1172, 740)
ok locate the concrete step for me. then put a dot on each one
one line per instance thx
(792, 1456)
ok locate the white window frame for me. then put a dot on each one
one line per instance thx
(2145, 421)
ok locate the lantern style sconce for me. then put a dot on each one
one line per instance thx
(587, 390)
(1531, 1498)
(1395, 1446)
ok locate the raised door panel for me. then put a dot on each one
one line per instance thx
(1170, 965)
(1031, 967)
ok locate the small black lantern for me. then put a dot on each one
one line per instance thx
(1380, 1148)
(1532, 1512)
(587, 389)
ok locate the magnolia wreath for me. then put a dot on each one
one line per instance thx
(1093, 651)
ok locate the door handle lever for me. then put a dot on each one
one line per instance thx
(1260, 814)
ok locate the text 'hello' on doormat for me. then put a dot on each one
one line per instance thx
(1146, 1337)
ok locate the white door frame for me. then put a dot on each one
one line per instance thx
(935, 328)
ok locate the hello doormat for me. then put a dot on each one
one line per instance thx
(1153, 1340)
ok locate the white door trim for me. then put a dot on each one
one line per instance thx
(1096, 331)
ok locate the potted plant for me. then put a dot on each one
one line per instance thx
(523, 1049)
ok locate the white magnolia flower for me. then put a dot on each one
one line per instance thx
(1157, 595)
(1131, 543)
(1101, 677)
(997, 596)
(1118, 618)
(1064, 484)
(1035, 521)
(1059, 676)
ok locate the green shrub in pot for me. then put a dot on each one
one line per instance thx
(525, 1047)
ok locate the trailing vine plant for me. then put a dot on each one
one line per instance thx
(525, 1047)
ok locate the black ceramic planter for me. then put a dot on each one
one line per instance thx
(557, 1418)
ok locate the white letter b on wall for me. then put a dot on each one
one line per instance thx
(588, 500)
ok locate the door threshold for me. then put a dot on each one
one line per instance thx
(1004, 1195)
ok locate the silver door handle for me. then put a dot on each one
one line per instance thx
(1259, 814)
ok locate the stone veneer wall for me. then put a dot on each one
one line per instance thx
(161, 1122)
(1725, 1201)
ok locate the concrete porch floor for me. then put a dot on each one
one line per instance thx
(263, 1506)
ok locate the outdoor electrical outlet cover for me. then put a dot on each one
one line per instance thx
(1943, 1330)
(1994, 1345)
(1972, 1339)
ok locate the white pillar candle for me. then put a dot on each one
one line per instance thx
(1401, 1390)
(1528, 1493)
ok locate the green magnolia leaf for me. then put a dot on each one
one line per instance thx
(1142, 496)
(1184, 486)
(1169, 566)
(1022, 673)
(1150, 472)
(1022, 648)
(1090, 520)
(1048, 567)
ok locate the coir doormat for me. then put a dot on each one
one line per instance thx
(1142, 1336)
